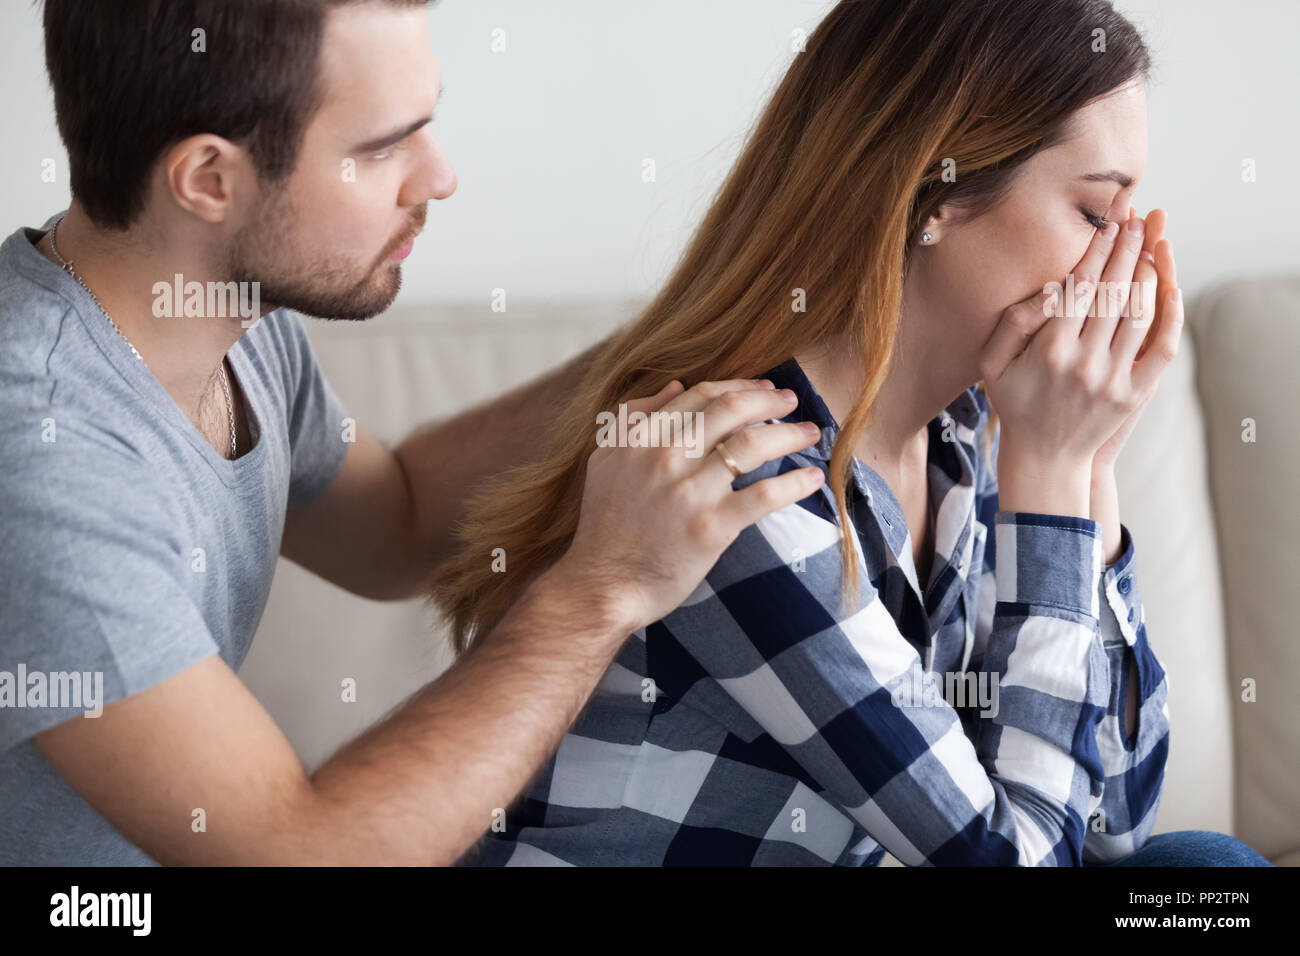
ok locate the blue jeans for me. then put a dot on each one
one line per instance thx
(1191, 848)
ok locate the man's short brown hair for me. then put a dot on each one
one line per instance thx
(131, 77)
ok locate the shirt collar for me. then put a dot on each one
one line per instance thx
(965, 409)
(954, 526)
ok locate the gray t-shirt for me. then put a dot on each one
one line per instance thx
(129, 549)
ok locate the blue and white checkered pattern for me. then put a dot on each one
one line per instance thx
(761, 723)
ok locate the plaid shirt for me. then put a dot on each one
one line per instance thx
(762, 723)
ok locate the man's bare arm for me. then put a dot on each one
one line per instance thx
(389, 515)
(418, 788)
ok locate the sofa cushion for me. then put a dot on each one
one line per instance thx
(1247, 334)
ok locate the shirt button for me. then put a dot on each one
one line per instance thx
(1124, 585)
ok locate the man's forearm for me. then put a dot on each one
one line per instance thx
(447, 461)
(421, 787)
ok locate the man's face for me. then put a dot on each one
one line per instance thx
(329, 240)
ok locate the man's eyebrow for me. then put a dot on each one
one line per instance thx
(1109, 176)
(397, 135)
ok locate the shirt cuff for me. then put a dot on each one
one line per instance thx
(1049, 559)
(1118, 587)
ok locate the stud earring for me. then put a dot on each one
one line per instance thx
(926, 237)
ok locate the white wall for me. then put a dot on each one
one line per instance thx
(548, 138)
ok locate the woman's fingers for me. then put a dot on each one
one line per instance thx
(1165, 265)
(1166, 279)
(1157, 219)
(1161, 349)
(1133, 329)
(1160, 252)
(1115, 286)
(1015, 328)
(1087, 273)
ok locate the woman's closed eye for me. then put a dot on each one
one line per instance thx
(1094, 220)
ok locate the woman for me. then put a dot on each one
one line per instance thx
(923, 170)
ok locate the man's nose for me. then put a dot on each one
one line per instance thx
(433, 178)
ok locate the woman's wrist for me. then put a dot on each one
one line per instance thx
(1104, 509)
(1043, 484)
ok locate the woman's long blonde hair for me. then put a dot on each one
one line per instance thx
(893, 107)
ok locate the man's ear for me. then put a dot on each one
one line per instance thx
(205, 173)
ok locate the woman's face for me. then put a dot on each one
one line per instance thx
(961, 284)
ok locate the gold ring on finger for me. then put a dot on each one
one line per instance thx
(728, 460)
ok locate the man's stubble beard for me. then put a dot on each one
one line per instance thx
(333, 288)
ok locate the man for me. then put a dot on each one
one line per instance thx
(155, 455)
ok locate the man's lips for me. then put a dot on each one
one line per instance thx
(404, 250)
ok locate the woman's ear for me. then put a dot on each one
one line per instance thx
(934, 227)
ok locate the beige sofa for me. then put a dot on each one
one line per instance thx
(1210, 513)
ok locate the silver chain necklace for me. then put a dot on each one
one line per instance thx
(66, 265)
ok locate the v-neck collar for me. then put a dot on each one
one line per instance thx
(143, 382)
